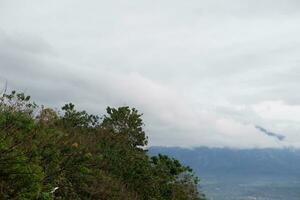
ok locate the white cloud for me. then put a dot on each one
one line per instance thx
(278, 110)
(203, 72)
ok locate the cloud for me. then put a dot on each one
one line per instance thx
(202, 72)
(269, 133)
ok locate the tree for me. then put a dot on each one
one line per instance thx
(176, 181)
(72, 155)
(127, 122)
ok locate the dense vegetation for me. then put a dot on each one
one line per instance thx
(45, 154)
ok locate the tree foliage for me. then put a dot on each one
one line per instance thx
(47, 155)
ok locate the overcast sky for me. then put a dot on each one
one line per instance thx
(202, 72)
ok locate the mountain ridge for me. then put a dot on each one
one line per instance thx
(211, 160)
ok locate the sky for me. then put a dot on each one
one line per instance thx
(202, 72)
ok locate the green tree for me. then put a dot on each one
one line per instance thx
(82, 158)
(127, 122)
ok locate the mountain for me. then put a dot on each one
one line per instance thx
(236, 161)
(242, 173)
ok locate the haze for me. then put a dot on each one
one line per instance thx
(204, 73)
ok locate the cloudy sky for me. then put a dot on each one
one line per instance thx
(203, 72)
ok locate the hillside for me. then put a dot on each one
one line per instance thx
(70, 154)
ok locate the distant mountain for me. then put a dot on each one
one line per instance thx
(218, 161)
(235, 174)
